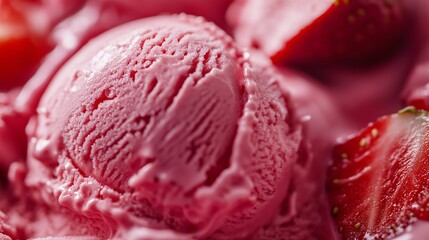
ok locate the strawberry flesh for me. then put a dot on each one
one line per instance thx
(379, 180)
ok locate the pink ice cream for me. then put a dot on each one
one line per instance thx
(305, 206)
(24, 216)
(164, 126)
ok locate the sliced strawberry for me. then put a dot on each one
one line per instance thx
(20, 48)
(379, 179)
(320, 31)
(356, 31)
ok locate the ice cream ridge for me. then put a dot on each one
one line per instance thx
(217, 120)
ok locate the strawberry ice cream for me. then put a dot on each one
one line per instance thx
(164, 124)
(168, 128)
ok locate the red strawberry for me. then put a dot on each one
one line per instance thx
(320, 31)
(20, 48)
(356, 31)
(379, 179)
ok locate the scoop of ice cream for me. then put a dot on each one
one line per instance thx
(163, 124)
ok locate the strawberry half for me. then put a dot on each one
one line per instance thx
(353, 31)
(320, 31)
(20, 48)
(379, 180)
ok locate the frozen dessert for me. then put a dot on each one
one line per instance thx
(24, 221)
(129, 127)
(164, 124)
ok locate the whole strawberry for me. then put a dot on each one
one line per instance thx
(379, 180)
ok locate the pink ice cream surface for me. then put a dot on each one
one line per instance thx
(304, 212)
(163, 123)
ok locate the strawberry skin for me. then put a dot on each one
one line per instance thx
(349, 32)
(378, 182)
